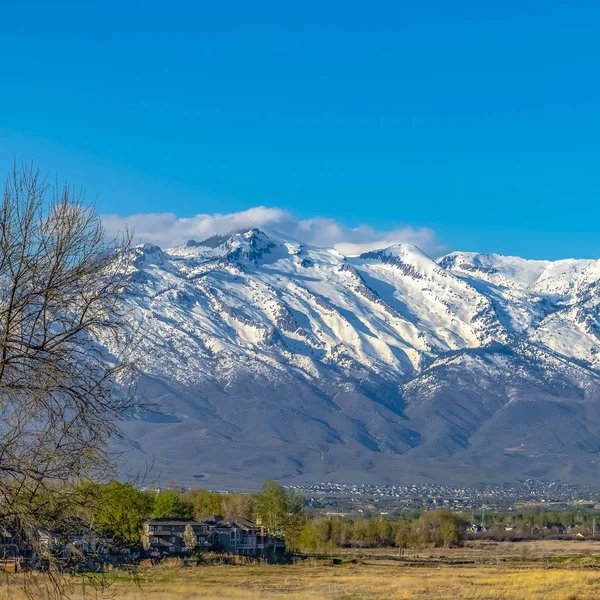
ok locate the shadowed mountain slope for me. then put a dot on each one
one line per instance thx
(269, 358)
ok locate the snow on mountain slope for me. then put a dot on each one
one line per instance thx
(510, 270)
(552, 303)
(270, 357)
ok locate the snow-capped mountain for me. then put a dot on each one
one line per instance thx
(269, 358)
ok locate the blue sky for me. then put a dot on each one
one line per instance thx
(477, 120)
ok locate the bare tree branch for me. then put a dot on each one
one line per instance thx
(61, 392)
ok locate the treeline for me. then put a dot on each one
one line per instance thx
(117, 511)
(440, 528)
(537, 523)
(538, 518)
(443, 528)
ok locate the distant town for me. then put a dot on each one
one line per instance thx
(341, 498)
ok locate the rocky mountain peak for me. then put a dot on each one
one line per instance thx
(390, 357)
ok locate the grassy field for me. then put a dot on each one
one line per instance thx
(544, 574)
(358, 582)
(485, 552)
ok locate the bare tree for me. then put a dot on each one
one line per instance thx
(61, 289)
(238, 505)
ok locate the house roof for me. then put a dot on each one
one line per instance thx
(221, 521)
(211, 520)
(242, 523)
(172, 522)
(161, 544)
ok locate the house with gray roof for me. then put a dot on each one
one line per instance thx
(213, 533)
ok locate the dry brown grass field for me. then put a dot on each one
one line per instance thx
(488, 551)
(543, 572)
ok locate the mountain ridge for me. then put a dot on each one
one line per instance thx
(270, 357)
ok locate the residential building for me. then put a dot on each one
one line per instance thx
(214, 533)
(12, 544)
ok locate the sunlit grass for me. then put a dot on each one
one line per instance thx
(359, 581)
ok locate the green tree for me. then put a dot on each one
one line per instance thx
(281, 511)
(440, 528)
(451, 530)
(117, 511)
(205, 503)
(404, 535)
(340, 532)
(168, 504)
(316, 535)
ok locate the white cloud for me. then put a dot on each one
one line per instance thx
(166, 229)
